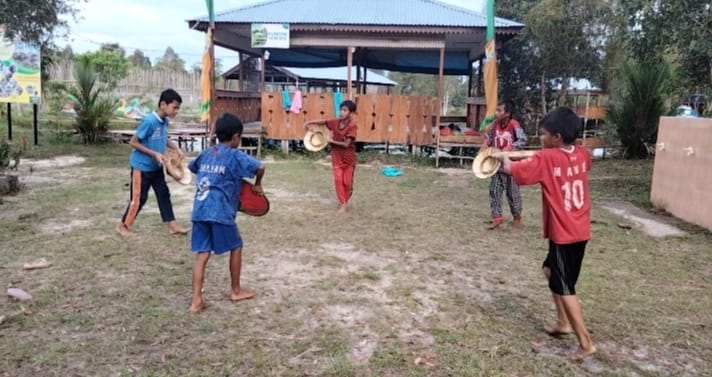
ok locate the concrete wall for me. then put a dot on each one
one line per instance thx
(682, 177)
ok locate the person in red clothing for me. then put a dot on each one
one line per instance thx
(343, 150)
(505, 134)
(561, 168)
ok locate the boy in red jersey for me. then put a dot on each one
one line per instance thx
(505, 134)
(561, 168)
(343, 150)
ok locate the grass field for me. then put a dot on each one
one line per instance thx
(409, 274)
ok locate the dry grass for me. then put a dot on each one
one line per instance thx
(410, 272)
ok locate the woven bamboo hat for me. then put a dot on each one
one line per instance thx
(485, 164)
(317, 138)
(177, 167)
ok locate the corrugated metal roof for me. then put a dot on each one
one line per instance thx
(361, 12)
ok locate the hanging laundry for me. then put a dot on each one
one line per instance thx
(338, 98)
(296, 106)
(286, 101)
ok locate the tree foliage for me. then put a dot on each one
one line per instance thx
(170, 61)
(110, 64)
(139, 60)
(36, 21)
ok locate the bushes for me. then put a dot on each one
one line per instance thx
(637, 107)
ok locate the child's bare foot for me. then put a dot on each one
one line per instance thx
(242, 294)
(342, 209)
(124, 231)
(517, 223)
(198, 306)
(582, 353)
(174, 228)
(556, 329)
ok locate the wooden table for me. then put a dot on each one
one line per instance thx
(186, 136)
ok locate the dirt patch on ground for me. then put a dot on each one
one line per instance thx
(62, 227)
(454, 172)
(56, 162)
(646, 222)
(32, 181)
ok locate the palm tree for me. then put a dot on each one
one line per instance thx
(93, 106)
(637, 108)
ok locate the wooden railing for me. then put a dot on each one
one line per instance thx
(380, 118)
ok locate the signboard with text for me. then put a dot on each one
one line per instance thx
(20, 75)
(270, 35)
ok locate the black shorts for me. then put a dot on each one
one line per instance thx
(564, 261)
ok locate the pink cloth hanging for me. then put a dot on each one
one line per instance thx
(296, 106)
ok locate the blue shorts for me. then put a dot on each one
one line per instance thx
(218, 238)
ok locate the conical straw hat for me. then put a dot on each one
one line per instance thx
(485, 164)
(177, 167)
(317, 138)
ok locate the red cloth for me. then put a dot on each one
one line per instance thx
(566, 202)
(341, 156)
(502, 136)
(344, 182)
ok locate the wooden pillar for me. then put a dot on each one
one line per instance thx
(440, 98)
(468, 108)
(349, 64)
(469, 78)
(365, 80)
(241, 61)
(478, 88)
(263, 68)
(358, 79)
(585, 115)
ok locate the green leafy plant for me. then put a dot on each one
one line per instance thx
(10, 154)
(638, 105)
(93, 106)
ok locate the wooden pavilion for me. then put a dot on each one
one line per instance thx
(419, 36)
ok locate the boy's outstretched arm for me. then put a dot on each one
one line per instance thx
(506, 163)
(314, 123)
(258, 179)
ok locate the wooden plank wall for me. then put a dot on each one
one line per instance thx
(682, 176)
(380, 118)
(244, 105)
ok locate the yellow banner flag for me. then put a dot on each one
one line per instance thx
(206, 78)
(491, 84)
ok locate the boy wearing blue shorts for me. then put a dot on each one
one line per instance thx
(220, 171)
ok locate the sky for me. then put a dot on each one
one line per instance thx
(135, 24)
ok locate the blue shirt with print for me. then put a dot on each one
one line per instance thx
(219, 173)
(153, 134)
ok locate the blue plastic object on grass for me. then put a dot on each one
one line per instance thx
(390, 171)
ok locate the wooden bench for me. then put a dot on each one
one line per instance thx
(461, 142)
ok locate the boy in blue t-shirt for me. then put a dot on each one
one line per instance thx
(220, 171)
(147, 159)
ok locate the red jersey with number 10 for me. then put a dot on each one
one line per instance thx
(566, 203)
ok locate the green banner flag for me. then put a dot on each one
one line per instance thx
(490, 69)
(211, 12)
